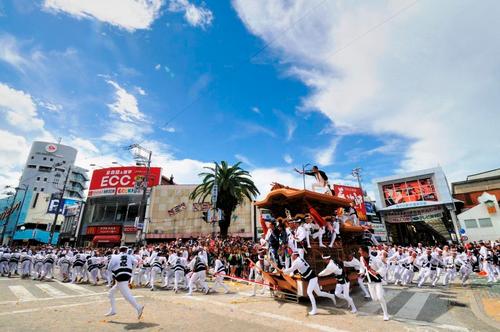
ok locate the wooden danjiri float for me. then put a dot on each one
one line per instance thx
(286, 205)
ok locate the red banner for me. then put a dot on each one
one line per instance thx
(104, 230)
(129, 229)
(122, 180)
(354, 194)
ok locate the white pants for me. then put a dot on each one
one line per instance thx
(4, 266)
(258, 278)
(198, 277)
(122, 286)
(219, 281)
(47, 269)
(465, 272)
(363, 287)
(342, 291)
(93, 275)
(38, 269)
(408, 275)
(428, 274)
(26, 268)
(450, 275)
(377, 294)
(64, 269)
(12, 267)
(178, 277)
(319, 236)
(154, 272)
(77, 272)
(313, 287)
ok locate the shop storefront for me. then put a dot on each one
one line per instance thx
(113, 206)
(418, 207)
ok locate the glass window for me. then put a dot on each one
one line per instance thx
(38, 178)
(31, 166)
(133, 212)
(45, 179)
(485, 222)
(44, 158)
(121, 212)
(470, 223)
(98, 213)
(109, 213)
(42, 189)
(51, 159)
(32, 157)
(35, 188)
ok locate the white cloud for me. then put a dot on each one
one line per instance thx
(416, 74)
(10, 52)
(255, 109)
(126, 14)
(244, 160)
(125, 132)
(140, 91)
(20, 109)
(125, 104)
(326, 156)
(158, 67)
(288, 158)
(197, 16)
(55, 108)
(169, 129)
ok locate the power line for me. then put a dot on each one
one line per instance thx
(255, 54)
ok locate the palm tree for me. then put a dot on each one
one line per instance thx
(234, 185)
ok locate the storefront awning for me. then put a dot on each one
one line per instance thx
(107, 239)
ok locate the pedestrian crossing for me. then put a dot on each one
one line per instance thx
(39, 291)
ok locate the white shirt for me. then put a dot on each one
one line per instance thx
(331, 268)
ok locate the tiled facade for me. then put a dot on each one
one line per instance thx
(173, 215)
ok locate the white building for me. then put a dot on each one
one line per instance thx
(482, 222)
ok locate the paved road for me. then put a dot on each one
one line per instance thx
(32, 305)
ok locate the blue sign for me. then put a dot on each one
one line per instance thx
(462, 231)
(67, 205)
(370, 208)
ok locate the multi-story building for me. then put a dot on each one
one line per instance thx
(475, 185)
(174, 215)
(418, 207)
(46, 169)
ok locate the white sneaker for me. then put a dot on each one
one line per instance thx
(111, 313)
(353, 311)
(312, 312)
(386, 318)
(140, 311)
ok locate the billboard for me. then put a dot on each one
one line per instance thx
(122, 180)
(70, 207)
(354, 194)
(422, 190)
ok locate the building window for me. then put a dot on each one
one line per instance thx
(44, 158)
(35, 189)
(64, 161)
(51, 159)
(485, 222)
(45, 169)
(42, 189)
(38, 178)
(31, 166)
(32, 157)
(45, 179)
(470, 223)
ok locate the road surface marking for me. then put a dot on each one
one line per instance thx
(22, 293)
(51, 298)
(295, 322)
(412, 308)
(372, 307)
(76, 288)
(56, 307)
(54, 292)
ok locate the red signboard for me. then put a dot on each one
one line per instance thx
(129, 229)
(354, 194)
(122, 180)
(104, 230)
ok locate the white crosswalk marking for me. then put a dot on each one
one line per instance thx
(22, 293)
(52, 291)
(412, 308)
(76, 288)
(373, 306)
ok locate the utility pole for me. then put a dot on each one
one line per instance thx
(145, 184)
(304, 174)
(60, 205)
(26, 188)
(8, 217)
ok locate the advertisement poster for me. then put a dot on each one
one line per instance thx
(354, 194)
(122, 180)
(69, 207)
(409, 191)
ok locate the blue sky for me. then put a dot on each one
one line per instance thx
(387, 86)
